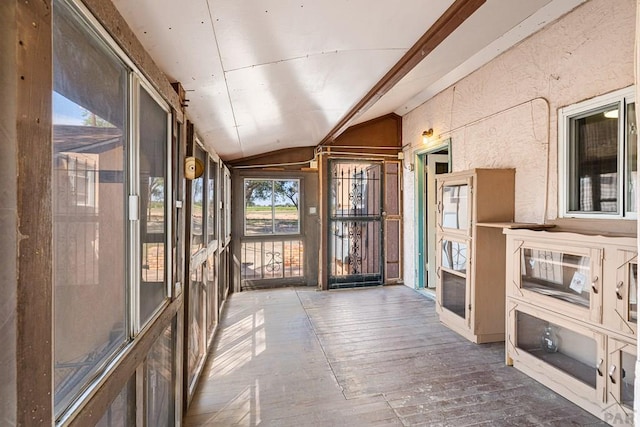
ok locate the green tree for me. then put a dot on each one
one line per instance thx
(282, 190)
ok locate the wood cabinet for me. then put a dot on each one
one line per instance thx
(470, 257)
(572, 318)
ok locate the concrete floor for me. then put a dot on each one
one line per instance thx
(365, 357)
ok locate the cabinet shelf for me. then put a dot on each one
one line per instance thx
(576, 369)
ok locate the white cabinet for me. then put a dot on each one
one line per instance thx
(572, 316)
(470, 257)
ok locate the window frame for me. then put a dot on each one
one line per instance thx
(621, 97)
(136, 81)
(273, 233)
(139, 83)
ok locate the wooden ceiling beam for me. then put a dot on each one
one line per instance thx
(450, 20)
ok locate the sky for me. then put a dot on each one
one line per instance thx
(66, 112)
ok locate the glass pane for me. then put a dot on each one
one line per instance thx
(227, 204)
(355, 249)
(88, 195)
(559, 275)
(455, 206)
(211, 201)
(195, 320)
(286, 196)
(633, 293)
(153, 201)
(593, 178)
(121, 412)
(628, 377)
(631, 174)
(197, 206)
(454, 293)
(454, 256)
(560, 347)
(158, 382)
(258, 204)
(212, 288)
(355, 189)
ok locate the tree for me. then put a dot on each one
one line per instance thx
(287, 190)
(262, 190)
(92, 119)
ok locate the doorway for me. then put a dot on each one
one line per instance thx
(429, 164)
(355, 224)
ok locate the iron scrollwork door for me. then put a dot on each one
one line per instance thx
(355, 224)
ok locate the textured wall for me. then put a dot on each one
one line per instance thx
(505, 113)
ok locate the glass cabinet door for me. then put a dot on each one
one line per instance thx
(453, 276)
(455, 206)
(559, 275)
(621, 382)
(560, 347)
(626, 292)
(568, 279)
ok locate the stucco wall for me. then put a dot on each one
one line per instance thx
(505, 113)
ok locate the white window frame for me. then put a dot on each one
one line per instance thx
(623, 97)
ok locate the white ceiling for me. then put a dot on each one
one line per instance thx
(273, 74)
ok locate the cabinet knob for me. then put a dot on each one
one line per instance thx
(598, 365)
(612, 370)
(593, 285)
(618, 287)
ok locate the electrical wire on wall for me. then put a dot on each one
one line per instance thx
(333, 150)
(466, 126)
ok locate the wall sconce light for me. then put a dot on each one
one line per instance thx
(426, 135)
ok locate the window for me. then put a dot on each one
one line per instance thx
(212, 192)
(110, 202)
(271, 206)
(598, 152)
(152, 174)
(227, 204)
(197, 204)
(90, 128)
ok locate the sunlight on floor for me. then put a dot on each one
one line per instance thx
(242, 342)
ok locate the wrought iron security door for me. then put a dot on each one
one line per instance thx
(355, 224)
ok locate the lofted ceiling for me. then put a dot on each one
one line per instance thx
(272, 74)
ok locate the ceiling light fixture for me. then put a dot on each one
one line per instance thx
(611, 114)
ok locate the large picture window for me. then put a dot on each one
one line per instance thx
(271, 206)
(598, 151)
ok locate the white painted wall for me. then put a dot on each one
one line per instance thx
(505, 114)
